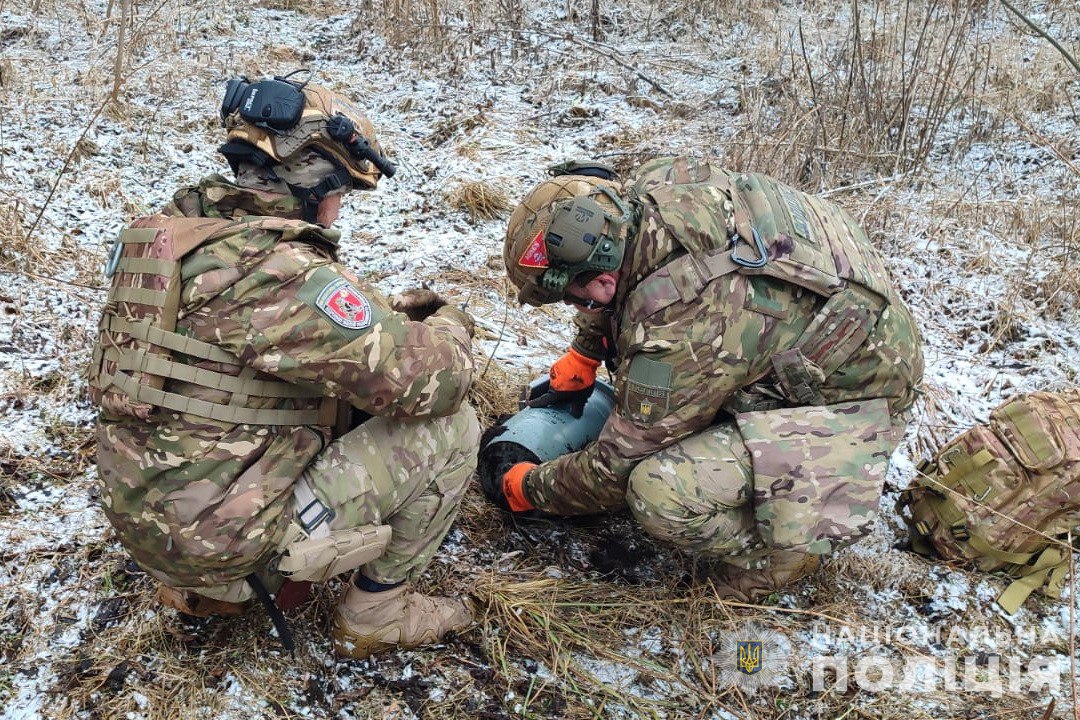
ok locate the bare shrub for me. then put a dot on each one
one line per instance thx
(15, 250)
(830, 113)
(438, 30)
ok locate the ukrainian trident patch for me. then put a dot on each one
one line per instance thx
(749, 660)
(344, 305)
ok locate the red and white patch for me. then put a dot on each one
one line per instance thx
(535, 256)
(344, 304)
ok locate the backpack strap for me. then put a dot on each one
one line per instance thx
(918, 532)
(1049, 569)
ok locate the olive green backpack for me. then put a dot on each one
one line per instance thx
(1002, 497)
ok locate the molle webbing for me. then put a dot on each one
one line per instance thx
(780, 233)
(1004, 494)
(134, 354)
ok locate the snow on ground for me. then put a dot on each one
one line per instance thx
(994, 306)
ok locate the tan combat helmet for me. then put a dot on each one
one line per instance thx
(270, 121)
(568, 225)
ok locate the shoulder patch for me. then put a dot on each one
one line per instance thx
(648, 389)
(337, 298)
(344, 305)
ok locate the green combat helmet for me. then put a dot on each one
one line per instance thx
(271, 121)
(571, 224)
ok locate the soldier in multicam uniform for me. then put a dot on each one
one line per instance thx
(763, 362)
(237, 357)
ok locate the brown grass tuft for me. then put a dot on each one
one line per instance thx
(480, 200)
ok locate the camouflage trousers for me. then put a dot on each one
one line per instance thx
(408, 474)
(805, 479)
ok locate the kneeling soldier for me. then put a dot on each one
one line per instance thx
(763, 362)
(265, 414)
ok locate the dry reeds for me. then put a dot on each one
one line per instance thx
(481, 200)
(829, 115)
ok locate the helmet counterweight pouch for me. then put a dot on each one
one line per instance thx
(587, 168)
(274, 105)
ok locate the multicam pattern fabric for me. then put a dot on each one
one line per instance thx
(699, 340)
(410, 476)
(306, 168)
(201, 503)
(697, 494)
(818, 472)
(995, 495)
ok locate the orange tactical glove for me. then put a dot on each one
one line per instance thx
(513, 487)
(572, 379)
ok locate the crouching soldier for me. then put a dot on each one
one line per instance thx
(265, 414)
(763, 362)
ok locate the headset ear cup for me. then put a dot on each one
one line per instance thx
(234, 92)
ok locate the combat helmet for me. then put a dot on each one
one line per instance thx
(571, 224)
(271, 120)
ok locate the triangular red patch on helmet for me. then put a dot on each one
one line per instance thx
(535, 256)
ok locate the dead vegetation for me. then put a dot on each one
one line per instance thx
(480, 200)
(872, 102)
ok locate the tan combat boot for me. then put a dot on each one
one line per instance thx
(751, 586)
(365, 622)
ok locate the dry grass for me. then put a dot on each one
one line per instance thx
(582, 618)
(831, 111)
(481, 200)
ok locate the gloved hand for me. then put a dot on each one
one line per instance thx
(421, 303)
(417, 303)
(572, 379)
(513, 488)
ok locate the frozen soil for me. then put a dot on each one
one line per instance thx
(583, 618)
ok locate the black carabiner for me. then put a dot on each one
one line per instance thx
(759, 261)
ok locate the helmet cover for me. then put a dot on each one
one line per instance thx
(281, 143)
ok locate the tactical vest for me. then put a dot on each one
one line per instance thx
(1003, 496)
(137, 340)
(754, 225)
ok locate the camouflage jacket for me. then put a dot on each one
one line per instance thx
(200, 503)
(819, 323)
